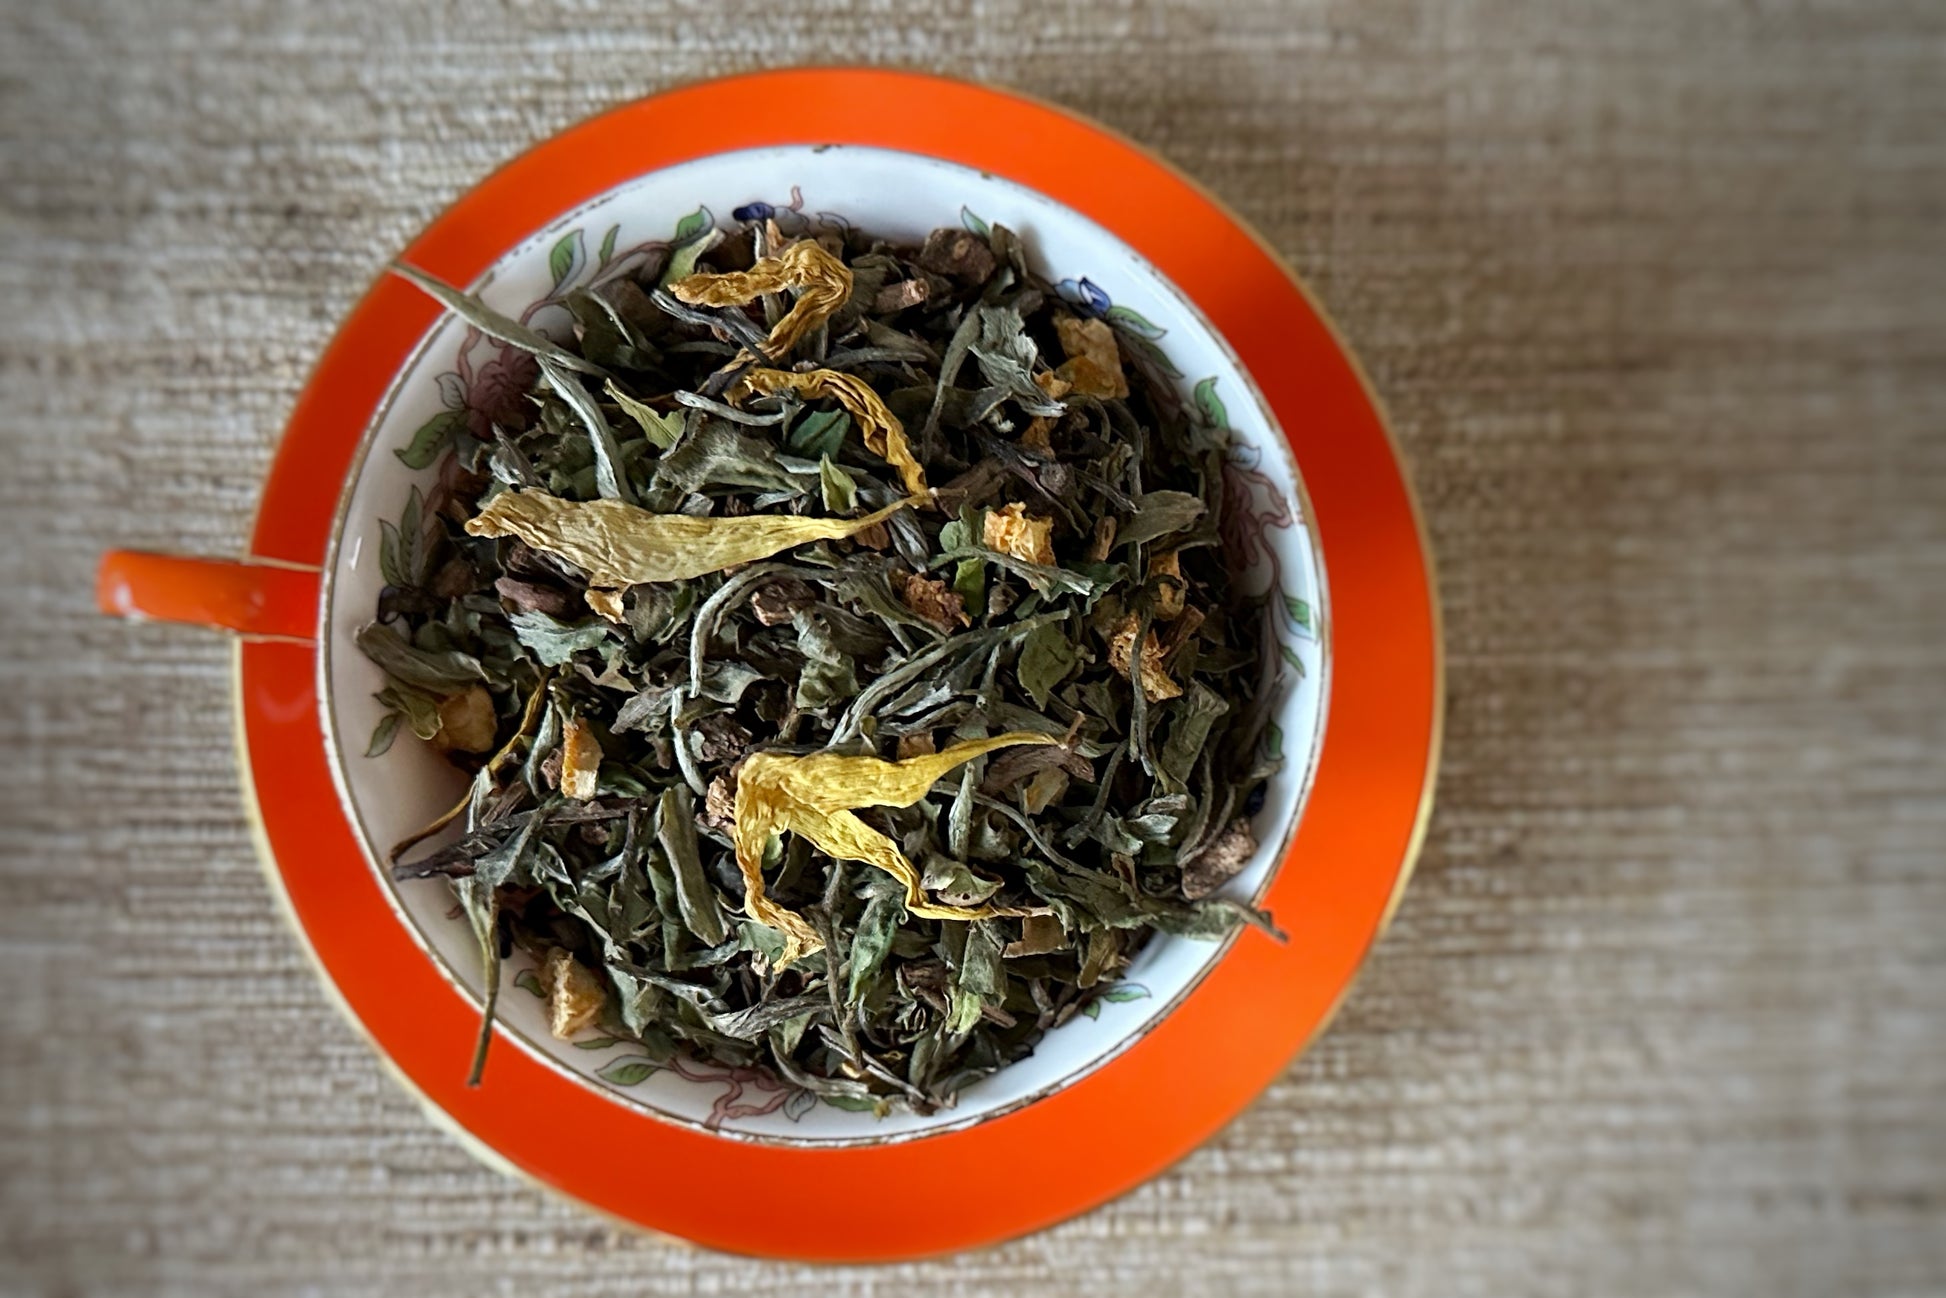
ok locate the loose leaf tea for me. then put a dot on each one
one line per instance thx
(844, 692)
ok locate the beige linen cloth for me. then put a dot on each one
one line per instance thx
(1656, 292)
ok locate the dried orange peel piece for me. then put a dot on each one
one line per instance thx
(1009, 530)
(815, 796)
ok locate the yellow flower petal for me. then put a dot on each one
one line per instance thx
(884, 434)
(815, 796)
(823, 283)
(619, 545)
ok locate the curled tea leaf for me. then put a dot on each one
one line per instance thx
(492, 323)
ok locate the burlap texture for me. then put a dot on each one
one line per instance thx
(1656, 292)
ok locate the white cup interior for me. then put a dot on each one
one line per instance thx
(894, 195)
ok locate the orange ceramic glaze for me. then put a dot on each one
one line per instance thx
(253, 599)
(1201, 1064)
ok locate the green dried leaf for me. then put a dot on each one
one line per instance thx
(840, 491)
(1158, 514)
(554, 642)
(676, 832)
(819, 433)
(1047, 657)
(662, 430)
(492, 323)
(440, 673)
(610, 476)
(1190, 720)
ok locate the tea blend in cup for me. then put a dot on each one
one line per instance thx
(840, 641)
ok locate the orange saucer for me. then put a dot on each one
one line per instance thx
(1119, 1125)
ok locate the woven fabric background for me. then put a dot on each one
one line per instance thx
(1656, 293)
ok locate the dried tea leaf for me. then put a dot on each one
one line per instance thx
(1159, 513)
(1046, 658)
(1189, 730)
(1007, 357)
(814, 796)
(883, 433)
(554, 642)
(574, 995)
(610, 478)
(580, 760)
(1010, 531)
(435, 672)
(661, 429)
(492, 323)
(837, 488)
(675, 830)
(1039, 934)
(823, 283)
(620, 545)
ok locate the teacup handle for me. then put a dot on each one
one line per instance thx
(256, 598)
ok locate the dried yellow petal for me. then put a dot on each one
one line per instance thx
(1010, 531)
(574, 994)
(814, 796)
(884, 434)
(1156, 684)
(823, 285)
(580, 760)
(619, 545)
(1094, 364)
